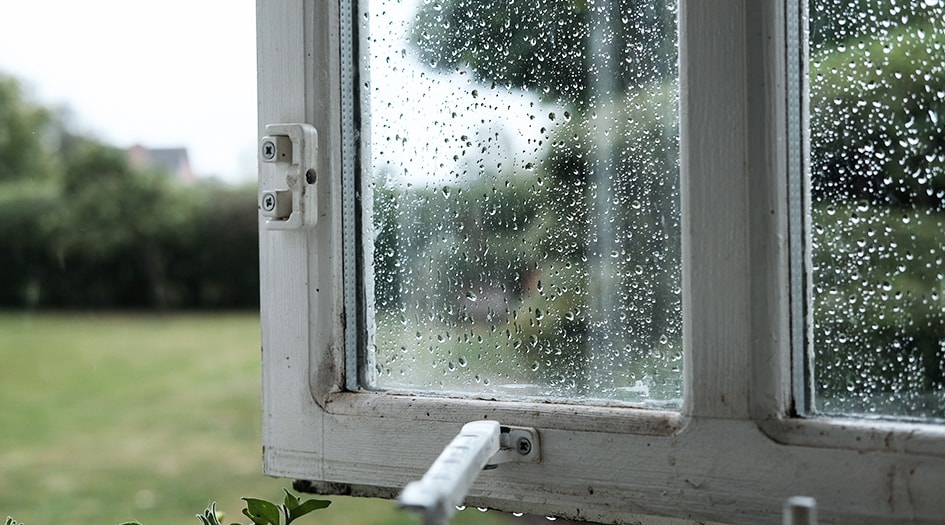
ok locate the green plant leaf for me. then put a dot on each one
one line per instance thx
(291, 501)
(256, 520)
(305, 508)
(261, 511)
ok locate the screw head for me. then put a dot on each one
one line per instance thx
(269, 202)
(524, 446)
(269, 150)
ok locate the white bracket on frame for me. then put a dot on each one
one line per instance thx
(293, 148)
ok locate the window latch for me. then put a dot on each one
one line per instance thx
(292, 203)
(480, 445)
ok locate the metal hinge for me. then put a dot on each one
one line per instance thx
(294, 150)
(481, 445)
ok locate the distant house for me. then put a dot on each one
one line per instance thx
(173, 161)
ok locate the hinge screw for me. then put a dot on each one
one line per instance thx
(524, 446)
(269, 202)
(269, 150)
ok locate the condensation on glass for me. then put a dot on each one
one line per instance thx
(877, 138)
(524, 159)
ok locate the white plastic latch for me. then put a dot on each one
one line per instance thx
(480, 445)
(294, 150)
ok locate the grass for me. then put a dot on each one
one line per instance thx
(108, 418)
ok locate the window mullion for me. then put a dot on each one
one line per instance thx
(715, 210)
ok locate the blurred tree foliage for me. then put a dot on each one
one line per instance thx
(552, 47)
(81, 228)
(25, 132)
(878, 112)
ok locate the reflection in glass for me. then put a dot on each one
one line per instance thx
(877, 127)
(524, 158)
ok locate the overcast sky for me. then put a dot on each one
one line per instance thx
(183, 73)
(164, 73)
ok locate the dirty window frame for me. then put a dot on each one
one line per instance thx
(734, 451)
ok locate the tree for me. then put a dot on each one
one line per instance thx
(112, 214)
(552, 47)
(878, 116)
(80, 227)
(23, 129)
(27, 192)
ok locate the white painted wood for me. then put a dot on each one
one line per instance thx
(715, 205)
(732, 455)
(300, 276)
(720, 470)
(767, 193)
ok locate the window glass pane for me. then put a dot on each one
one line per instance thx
(525, 159)
(877, 125)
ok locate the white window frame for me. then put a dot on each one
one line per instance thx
(733, 453)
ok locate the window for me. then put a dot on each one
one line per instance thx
(877, 201)
(526, 214)
(745, 436)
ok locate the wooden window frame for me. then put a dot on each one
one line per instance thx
(737, 448)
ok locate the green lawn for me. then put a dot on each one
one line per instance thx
(107, 418)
